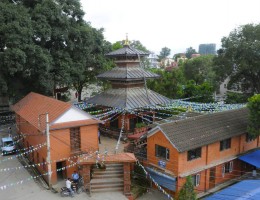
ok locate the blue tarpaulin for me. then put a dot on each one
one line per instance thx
(252, 158)
(244, 190)
(162, 179)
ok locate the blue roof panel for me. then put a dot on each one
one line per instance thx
(248, 189)
(252, 158)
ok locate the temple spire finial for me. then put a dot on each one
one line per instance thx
(126, 40)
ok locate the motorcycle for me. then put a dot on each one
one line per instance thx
(77, 187)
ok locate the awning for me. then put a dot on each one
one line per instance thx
(252, 158)
(162, 179)
(247, 189)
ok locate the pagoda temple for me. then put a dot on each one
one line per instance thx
(128, 91)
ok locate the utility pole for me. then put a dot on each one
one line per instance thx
(48, 150)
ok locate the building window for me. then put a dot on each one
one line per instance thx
(227, 168)
(196, 180)
(162, 152)
(194, 153)
(249, 138)
(75, 139)
(225, 144)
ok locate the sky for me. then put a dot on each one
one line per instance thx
(170, 23)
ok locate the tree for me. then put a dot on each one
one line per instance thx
(254, 116)
(169, 84)
(48, 40)
(234, 97)
(187, 191)
(23, 65)
(165, 52)
(189, 52)
(200, 69)
(199, 93)
(239, 58)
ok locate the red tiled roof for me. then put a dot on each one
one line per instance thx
(33, 105)
(115, 158)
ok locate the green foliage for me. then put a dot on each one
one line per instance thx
(169, 84)
(234, 97)
(189, 52)
(187, 191)
(140, 183)
(200, 93)
(117, 45)
(140, 125)
(239, 58)
(165, 52)
(48, 40)
(200, 69)
(254, 116)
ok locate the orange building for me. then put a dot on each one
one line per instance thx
(205, 147)
(72, 132)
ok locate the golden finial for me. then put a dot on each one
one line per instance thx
(126, 40)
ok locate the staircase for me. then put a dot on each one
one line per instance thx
(109, 179)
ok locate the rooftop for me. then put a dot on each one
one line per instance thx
(128, 98)
(205, 129)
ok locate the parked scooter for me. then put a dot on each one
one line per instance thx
(76, 187)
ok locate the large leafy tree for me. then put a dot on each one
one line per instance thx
(200, 69)
(44, 40)
(187, 191)
(189, 52)
(254, 116)
(164, 53)
(239, 58)
(20, 57)
(169, 84)
(199, 93)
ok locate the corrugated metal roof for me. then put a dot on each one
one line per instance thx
(206, 129)
(127, 51)
(128, 98)
(244, 190)
(127, 73)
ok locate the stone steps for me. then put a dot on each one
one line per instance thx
(109, 179)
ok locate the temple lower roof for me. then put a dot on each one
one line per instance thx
(128, 98)
(127, 73)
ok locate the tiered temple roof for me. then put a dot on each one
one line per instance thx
(128, 82)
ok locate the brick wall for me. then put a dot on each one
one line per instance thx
(210, 154)
(60, 145)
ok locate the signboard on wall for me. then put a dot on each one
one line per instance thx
(162, 163)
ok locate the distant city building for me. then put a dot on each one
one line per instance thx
(153, 61)
(207, 49)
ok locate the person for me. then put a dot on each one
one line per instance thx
(99, 137)
(10, 130)
(75, 177)
(68, 185)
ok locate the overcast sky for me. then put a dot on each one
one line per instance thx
(171, 23)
